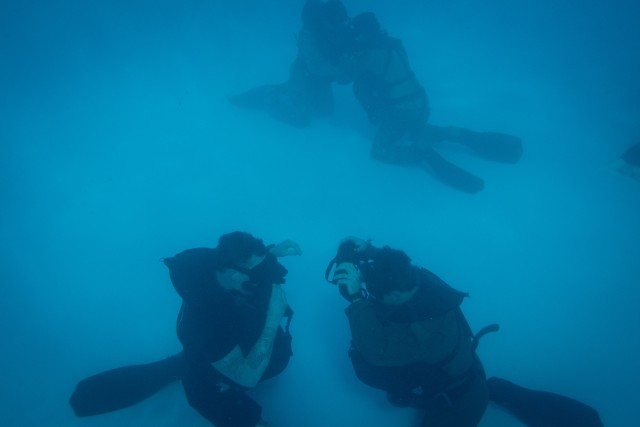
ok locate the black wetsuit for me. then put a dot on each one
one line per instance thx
(421, 353)
(211, 323)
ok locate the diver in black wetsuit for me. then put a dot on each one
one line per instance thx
(409, 335)
(229, 324)
(396, 102)
(411, 339)
(230, 329)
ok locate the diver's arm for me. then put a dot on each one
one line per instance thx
(247, 370)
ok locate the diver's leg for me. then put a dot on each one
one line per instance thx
(430, 134)
(465, 411)
(380, 377)
(397, 381)
(217, 402)
(424, 136)
(391, 146)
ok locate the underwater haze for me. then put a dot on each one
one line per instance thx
(118, 147)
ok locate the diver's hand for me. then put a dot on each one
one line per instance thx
(286, 248)
(360, 244)
(348, 275)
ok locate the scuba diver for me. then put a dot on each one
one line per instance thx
(229, 327)
(397, 104)
(335, 49)
(409, 335)
(411, 339)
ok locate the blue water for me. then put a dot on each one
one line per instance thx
(118, 147)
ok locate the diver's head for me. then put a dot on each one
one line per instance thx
(238, 247)
(366, 29)
(390, 277)
(244, 263)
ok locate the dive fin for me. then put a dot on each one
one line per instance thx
(495, 146)
(123, 387)
(451, 174)
(280, 101)
(540, 408)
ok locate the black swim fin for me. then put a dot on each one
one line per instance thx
(123, 387)
(281, 101)
(451, 174)
(495, 146)
(540, 408)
